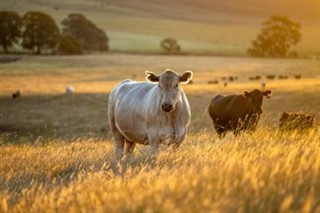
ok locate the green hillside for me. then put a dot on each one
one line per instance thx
(216, 27)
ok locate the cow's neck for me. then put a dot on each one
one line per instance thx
(173, 116)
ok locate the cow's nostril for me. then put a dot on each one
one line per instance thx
(167, 106)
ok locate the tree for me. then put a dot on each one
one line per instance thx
(278, 34)
(10, 29)
(40, 31)
(68, 45)
(86, 33)
(170, 45)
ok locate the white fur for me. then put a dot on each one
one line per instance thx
(69, 90)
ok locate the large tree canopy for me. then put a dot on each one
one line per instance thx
(278, 34)
(69, 46)
(86, 33)
(170, 45)
(40, 32)
(10, 29)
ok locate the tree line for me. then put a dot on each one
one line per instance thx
(37, 31)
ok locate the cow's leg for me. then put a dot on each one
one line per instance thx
(180, 134)
(129, 147)
(154, 146)
(236, 132)
(222, 134)
(236, 127)
(117, 136)
(220, 130)
(154, 142)
(119, 144)
(252, 127)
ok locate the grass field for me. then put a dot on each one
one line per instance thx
(57, 153)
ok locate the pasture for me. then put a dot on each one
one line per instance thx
(201, 27)
(57, 153)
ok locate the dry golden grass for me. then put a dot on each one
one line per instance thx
(263, 172)
(57, 154)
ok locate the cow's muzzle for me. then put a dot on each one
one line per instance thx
(167, 107)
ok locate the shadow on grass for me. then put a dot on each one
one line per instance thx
(33, 118)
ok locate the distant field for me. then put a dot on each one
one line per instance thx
(57, 152)
(45, 107)
(219, 27)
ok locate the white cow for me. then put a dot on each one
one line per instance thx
(149, 113)
(69, 90)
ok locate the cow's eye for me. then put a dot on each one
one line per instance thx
(176, 86)
(159, 86)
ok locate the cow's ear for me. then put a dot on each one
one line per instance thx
(185, 77)
(267, 92)
(285, 114)
(246, 93)
(152, 77)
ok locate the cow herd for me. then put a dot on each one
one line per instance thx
(158, 112)
(231, 78)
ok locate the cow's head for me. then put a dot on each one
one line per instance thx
(256, 98)
(169, 87)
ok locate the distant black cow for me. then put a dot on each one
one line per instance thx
(290, 121)
(252, 78)
(297, 76)
(270, 76)
(17, 94)
(237, 112)
(213, 82)
(283, 77)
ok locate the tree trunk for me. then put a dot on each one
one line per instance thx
(37, 50)
(5, 48)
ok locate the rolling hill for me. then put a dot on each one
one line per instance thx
(215, 27)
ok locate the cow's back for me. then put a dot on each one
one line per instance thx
(226, 106)
(132, 93)
(228, 109)
(130, 103)
(296, 121)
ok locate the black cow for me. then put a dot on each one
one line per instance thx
(290, 121)
(237, 112)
